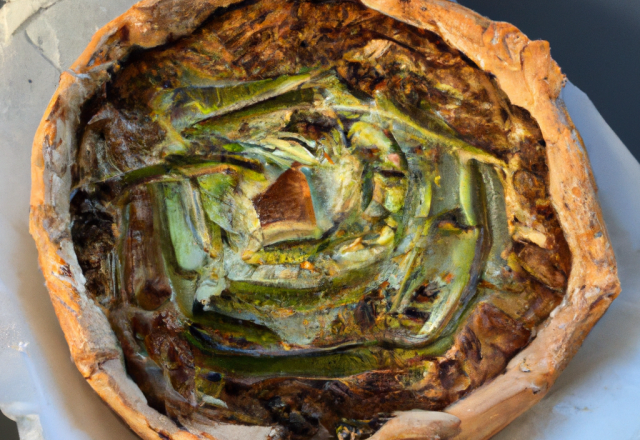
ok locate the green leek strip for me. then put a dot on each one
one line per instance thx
(402, 290)
(392, 113)
(321, 364)
(468, 190)
(497, 224)
(418, 247)
(424, 208)
(421, 242)
(185, 237)
(207, 102)
(463, 256)
(421, 229)
(174, 173)
(236, 328)
(345, 288)
(268, 115)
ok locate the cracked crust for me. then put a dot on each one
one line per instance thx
(524, 71)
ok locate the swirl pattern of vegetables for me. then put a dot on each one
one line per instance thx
(365, 218)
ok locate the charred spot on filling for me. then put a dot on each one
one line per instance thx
(309, 214)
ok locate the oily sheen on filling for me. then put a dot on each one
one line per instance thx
(282, 226)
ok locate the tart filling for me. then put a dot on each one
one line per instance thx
(312, 215)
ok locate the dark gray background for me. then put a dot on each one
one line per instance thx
(595, 42)
(8, 428)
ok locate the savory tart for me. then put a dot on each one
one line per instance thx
(305, 219)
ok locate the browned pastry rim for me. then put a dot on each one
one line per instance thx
(525, 72)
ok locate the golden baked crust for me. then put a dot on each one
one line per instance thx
(524, 71)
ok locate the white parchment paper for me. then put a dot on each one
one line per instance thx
(595, 398)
